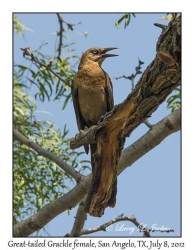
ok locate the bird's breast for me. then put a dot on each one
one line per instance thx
(91, 95)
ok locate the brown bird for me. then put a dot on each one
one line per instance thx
(92, 94)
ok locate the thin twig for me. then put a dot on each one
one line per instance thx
(61, 30)
(149, 125)
(60, 34)
(69, 25)
(132, 76)
(140, 227)
(67, 168)
(26, 51)
(119, 218)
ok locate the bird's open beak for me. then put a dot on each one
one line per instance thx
(104, 55)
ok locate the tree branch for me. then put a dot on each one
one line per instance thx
(68, 169)
(54, 208)
(159, 131)
(160, 25)
(160, 78)
(26, 51)
(119, 218)
(81, 217)
(132, 76)
(69, 25)
(84, 137)
(153, 137)
(61, 30)
(60, 34)
(149, 125)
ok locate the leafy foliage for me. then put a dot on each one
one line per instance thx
(170, 16)
(19, 27)
(38, 180)
(126, 18)
(174, 101)
(44, 83)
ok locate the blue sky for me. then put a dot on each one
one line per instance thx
(150, 188)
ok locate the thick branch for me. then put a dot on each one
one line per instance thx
(84, 137)
(156, 83)
(68, 169)
(160, 25)
(159, 132)
(160, 78)
(51, 210)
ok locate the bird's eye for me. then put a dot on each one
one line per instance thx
(95, 52)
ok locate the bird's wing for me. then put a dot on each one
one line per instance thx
(109, 93)
(80, 122)
(74, 93)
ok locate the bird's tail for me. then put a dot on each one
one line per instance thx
(112, 200)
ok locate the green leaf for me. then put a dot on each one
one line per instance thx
(38, 180)
(174, 101)
(126, 18)
(68, 97)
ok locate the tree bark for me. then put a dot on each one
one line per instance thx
(160, 78)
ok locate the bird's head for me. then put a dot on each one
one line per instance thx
(96, 55)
